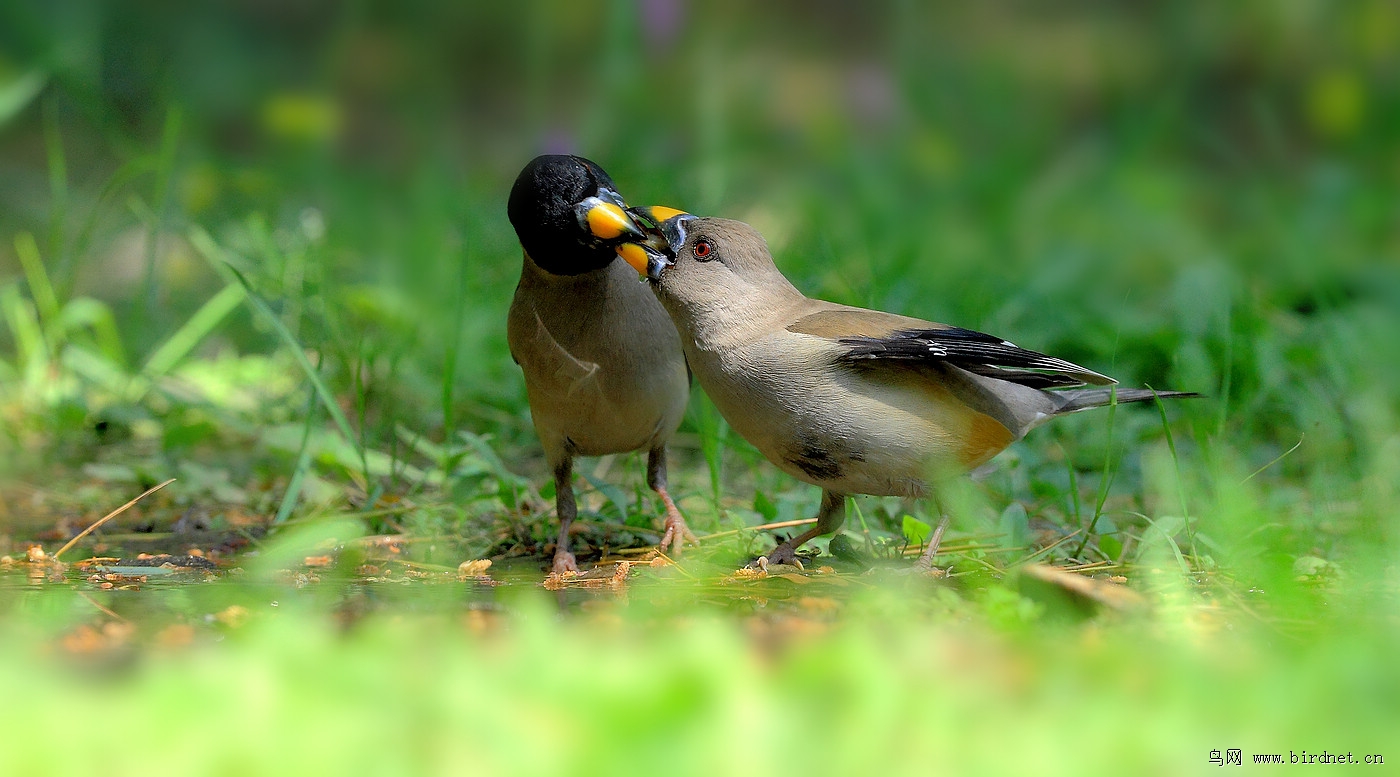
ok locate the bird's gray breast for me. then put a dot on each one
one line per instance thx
(603, 364)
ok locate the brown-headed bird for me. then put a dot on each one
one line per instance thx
(855, 401)
(603, 364)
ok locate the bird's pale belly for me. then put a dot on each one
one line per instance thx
(849, 434)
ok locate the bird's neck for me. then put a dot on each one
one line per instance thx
(532, 274)
(741, 315)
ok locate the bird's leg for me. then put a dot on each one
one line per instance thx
(677, 532)
(567, 510)
(830, 516)
(925, 561)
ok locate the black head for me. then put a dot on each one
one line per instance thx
(568, 214)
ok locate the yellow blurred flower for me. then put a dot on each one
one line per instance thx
(301, 117)
(1335, 103)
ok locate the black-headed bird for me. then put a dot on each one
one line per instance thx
(602, 362)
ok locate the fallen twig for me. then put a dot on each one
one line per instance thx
(110, 516)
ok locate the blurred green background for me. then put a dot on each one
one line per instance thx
(1191, 195)
(1187, 195)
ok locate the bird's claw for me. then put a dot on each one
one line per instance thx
(781, 556)
(676, 535)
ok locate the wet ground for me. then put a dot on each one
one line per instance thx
(119, 594)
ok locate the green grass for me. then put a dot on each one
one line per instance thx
(897, 674)
(267, 255)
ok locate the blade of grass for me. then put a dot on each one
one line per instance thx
(40, 289)
(363, 365)
(1276, 459)
(454, 344)
(299, 353)
(294, 486)
(204, 321)
(864, 527)
(99, 370)
(1037, 555)
(515, 483)
(23, 322)
(1109, 473)
(612, 493)
(1074, 490)
(710, 427)
(390, 408)
(205, 244)
(762, 527)
(1176, 549)
(160, 196)
(58, 177)
(128, 172)
(1176, 465)
(1228, 379)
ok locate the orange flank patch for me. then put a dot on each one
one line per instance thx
(986, 437)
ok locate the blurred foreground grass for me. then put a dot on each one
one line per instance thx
(263, 250)
(893, 675)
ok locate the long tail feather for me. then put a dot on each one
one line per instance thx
(1086, 399)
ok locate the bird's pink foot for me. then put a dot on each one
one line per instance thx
(676, 535)
(677, 532)
(564, 561)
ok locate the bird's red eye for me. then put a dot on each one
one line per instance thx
(703, 249)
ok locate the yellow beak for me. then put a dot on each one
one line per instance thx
(608, 221)
(658, 213)
(636, 255)
(653, 253)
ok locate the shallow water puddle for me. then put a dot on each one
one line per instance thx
(110, 606)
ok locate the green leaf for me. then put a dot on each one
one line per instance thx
(915, 531)
(87, 313)
(1111, 546)
(1015, 525)
(18, 93)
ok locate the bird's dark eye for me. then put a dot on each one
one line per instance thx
(703, 249)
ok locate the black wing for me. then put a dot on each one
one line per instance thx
(976, 352)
